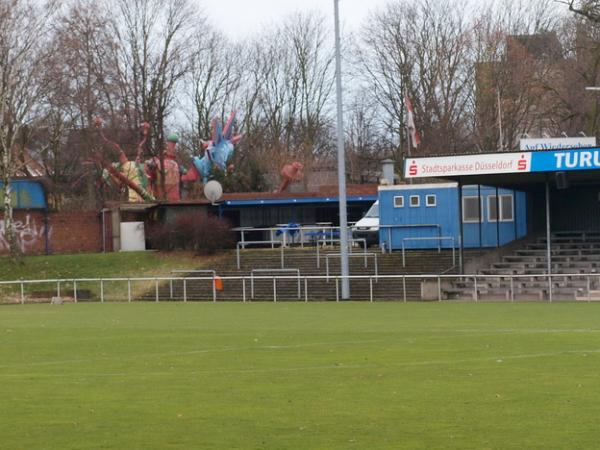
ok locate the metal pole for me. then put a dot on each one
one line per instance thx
(479, 217)
(461, 226)
(22, 293)
(101, 291)
(371, 289)
(548, 237)
(341, 159)
(156, 289)
(244, 289)
(274, 289)
(497, 218)
(129, 291)
(214, 289)
(305, 290)
(404, 287)
(75, 291)
(184, 290)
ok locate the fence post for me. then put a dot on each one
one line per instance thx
(587, 278)
(214, 289)
(550, 288)
(101, 291)
(376, 269)
(58, 289)
(171, 288)
(129, 290)
(237, 255)
(185, 289)
(244, 289)
(252, 285)
(403, 257)
(318, 256)
(282, 257)
(404, 287)
(371, 289)
(512, 289)
(337, 289)
(327, 267)
(22, 293)
(475, 293)
(75, 290)
(306, 289)
(299, 288)
(274, 288)
(439, 283)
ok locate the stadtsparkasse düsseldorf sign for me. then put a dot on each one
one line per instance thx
(498, 163)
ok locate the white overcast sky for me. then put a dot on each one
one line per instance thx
(240, 18)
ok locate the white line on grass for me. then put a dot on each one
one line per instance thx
(338, 366)
(191, 352)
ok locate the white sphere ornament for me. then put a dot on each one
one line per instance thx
(213, 191)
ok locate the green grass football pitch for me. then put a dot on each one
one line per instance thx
(300, 376)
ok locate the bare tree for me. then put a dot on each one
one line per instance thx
(153, 54)
(517, 59)
(419, 50)
(589, 9)
(288, 88)
(23, 33)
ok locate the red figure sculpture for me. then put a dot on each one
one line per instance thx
(130, 174)
(289, 174)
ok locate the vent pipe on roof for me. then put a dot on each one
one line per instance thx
(387, 171)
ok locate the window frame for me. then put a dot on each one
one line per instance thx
(430, 196)
(500, 214)
(401, 197)
(512, 208)
(476, 219)
(410, 202)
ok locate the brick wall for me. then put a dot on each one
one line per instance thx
(58, 232)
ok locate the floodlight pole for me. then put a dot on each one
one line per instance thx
(341, 160)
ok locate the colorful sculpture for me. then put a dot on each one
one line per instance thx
(169, 189)
(289, 174)
(126, 173)
(217, 152)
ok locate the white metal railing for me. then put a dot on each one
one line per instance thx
(307, 234)
(364, 255)
(296, 271)
(546, 287)
(431, 238)
(242, 245)
(388, 244)
(211, 271)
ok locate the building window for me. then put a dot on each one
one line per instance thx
(470, 207)
(399, 201)
(430, 200)
(506, 208)
(415, 201)
(492, 215)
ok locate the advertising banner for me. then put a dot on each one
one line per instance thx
(479, 164)
(556, 143)
(498, 163)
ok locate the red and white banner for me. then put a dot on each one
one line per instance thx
(479, 164)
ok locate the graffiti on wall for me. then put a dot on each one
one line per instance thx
(28, 234)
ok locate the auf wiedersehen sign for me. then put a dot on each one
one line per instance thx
(556, 143)
(498, 163)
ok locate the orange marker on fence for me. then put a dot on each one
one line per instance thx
(218, 283)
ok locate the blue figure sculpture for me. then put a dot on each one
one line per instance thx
(218, 151)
